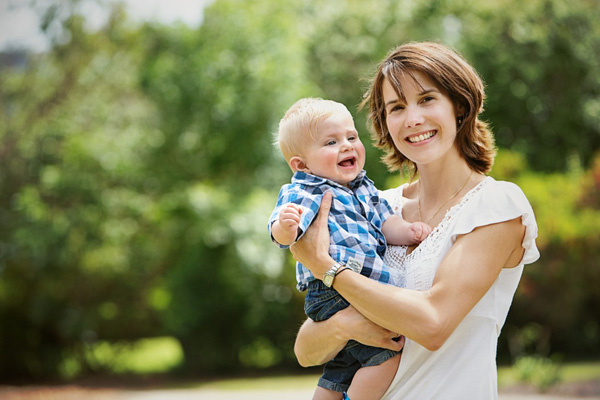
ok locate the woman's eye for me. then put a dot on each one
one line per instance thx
(396, 108)
(428, 98)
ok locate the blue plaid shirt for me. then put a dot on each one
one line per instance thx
(355, 221)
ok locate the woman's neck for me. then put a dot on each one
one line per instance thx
(441, 180)
(441, 186)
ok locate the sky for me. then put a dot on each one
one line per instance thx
(19, 24)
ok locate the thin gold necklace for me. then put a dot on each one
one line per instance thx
(444, 203)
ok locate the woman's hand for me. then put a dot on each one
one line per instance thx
(367, 332)
(319, 342)
(313, 249)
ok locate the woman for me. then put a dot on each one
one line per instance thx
(424, 103)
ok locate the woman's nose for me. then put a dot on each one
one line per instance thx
(413, 117)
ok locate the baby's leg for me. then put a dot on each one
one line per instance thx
(326, 394)
(370, 383)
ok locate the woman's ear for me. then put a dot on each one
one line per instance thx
(462, 111)
(298, 164)
(460, 115)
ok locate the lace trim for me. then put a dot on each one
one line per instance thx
(441, 228)
(396, 257)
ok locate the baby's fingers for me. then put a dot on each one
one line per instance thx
(421, 231)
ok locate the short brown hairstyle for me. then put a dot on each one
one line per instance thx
(452, 74)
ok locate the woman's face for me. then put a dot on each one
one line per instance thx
(423, 126)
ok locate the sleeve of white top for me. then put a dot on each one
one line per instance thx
(499, 202)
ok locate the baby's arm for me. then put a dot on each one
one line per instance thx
(400, 232)
(285, 229)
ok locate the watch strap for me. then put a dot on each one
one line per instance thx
(329, 276)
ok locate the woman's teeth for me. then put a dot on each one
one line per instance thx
(421, 137)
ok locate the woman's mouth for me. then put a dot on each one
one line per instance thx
(421, 137)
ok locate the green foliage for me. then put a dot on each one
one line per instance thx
(590, 197)
(137, 172)
(144, 356)
(556, 304)
(218, 92)
(541, 76)
(70, 212)
(219, 96)
(538, 371)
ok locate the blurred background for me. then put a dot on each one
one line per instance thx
(137, 172)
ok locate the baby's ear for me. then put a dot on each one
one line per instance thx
(298, 164)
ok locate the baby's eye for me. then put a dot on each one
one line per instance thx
(330, 143)
(351, 138)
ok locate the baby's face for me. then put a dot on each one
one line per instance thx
(336, 153)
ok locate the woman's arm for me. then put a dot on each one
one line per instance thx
(319, 342)
(464, 276)
(429, 317)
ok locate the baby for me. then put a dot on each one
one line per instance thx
(321, 145)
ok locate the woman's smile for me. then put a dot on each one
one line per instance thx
(418, 138)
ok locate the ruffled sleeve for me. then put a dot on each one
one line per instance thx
(496, 202)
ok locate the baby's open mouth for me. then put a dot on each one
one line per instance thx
(349, 162)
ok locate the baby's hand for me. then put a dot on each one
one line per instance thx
(289, 217)
(420, 231)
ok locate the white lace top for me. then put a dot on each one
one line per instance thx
(465, 366)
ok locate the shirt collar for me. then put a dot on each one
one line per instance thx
(313, 180)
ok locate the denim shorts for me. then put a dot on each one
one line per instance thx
(320, 304)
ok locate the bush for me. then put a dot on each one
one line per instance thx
(558, 293)
(538, 371)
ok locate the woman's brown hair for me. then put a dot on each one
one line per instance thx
(452, 74)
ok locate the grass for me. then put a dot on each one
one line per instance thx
(160, 355)
(571, 372)
(568, 373)
(585, 371)
(264, 383)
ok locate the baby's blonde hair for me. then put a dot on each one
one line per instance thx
(301, 121)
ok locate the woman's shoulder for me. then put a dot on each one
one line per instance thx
(501, 194)
(395, 196)
(495, 202)
(492, 202)
(397, 192)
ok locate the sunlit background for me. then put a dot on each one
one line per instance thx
(137, 172)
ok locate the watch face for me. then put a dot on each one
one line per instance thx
(328, 280)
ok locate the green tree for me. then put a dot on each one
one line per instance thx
(540, 61)
(219, 92)
(77, 224)
(137, 171)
